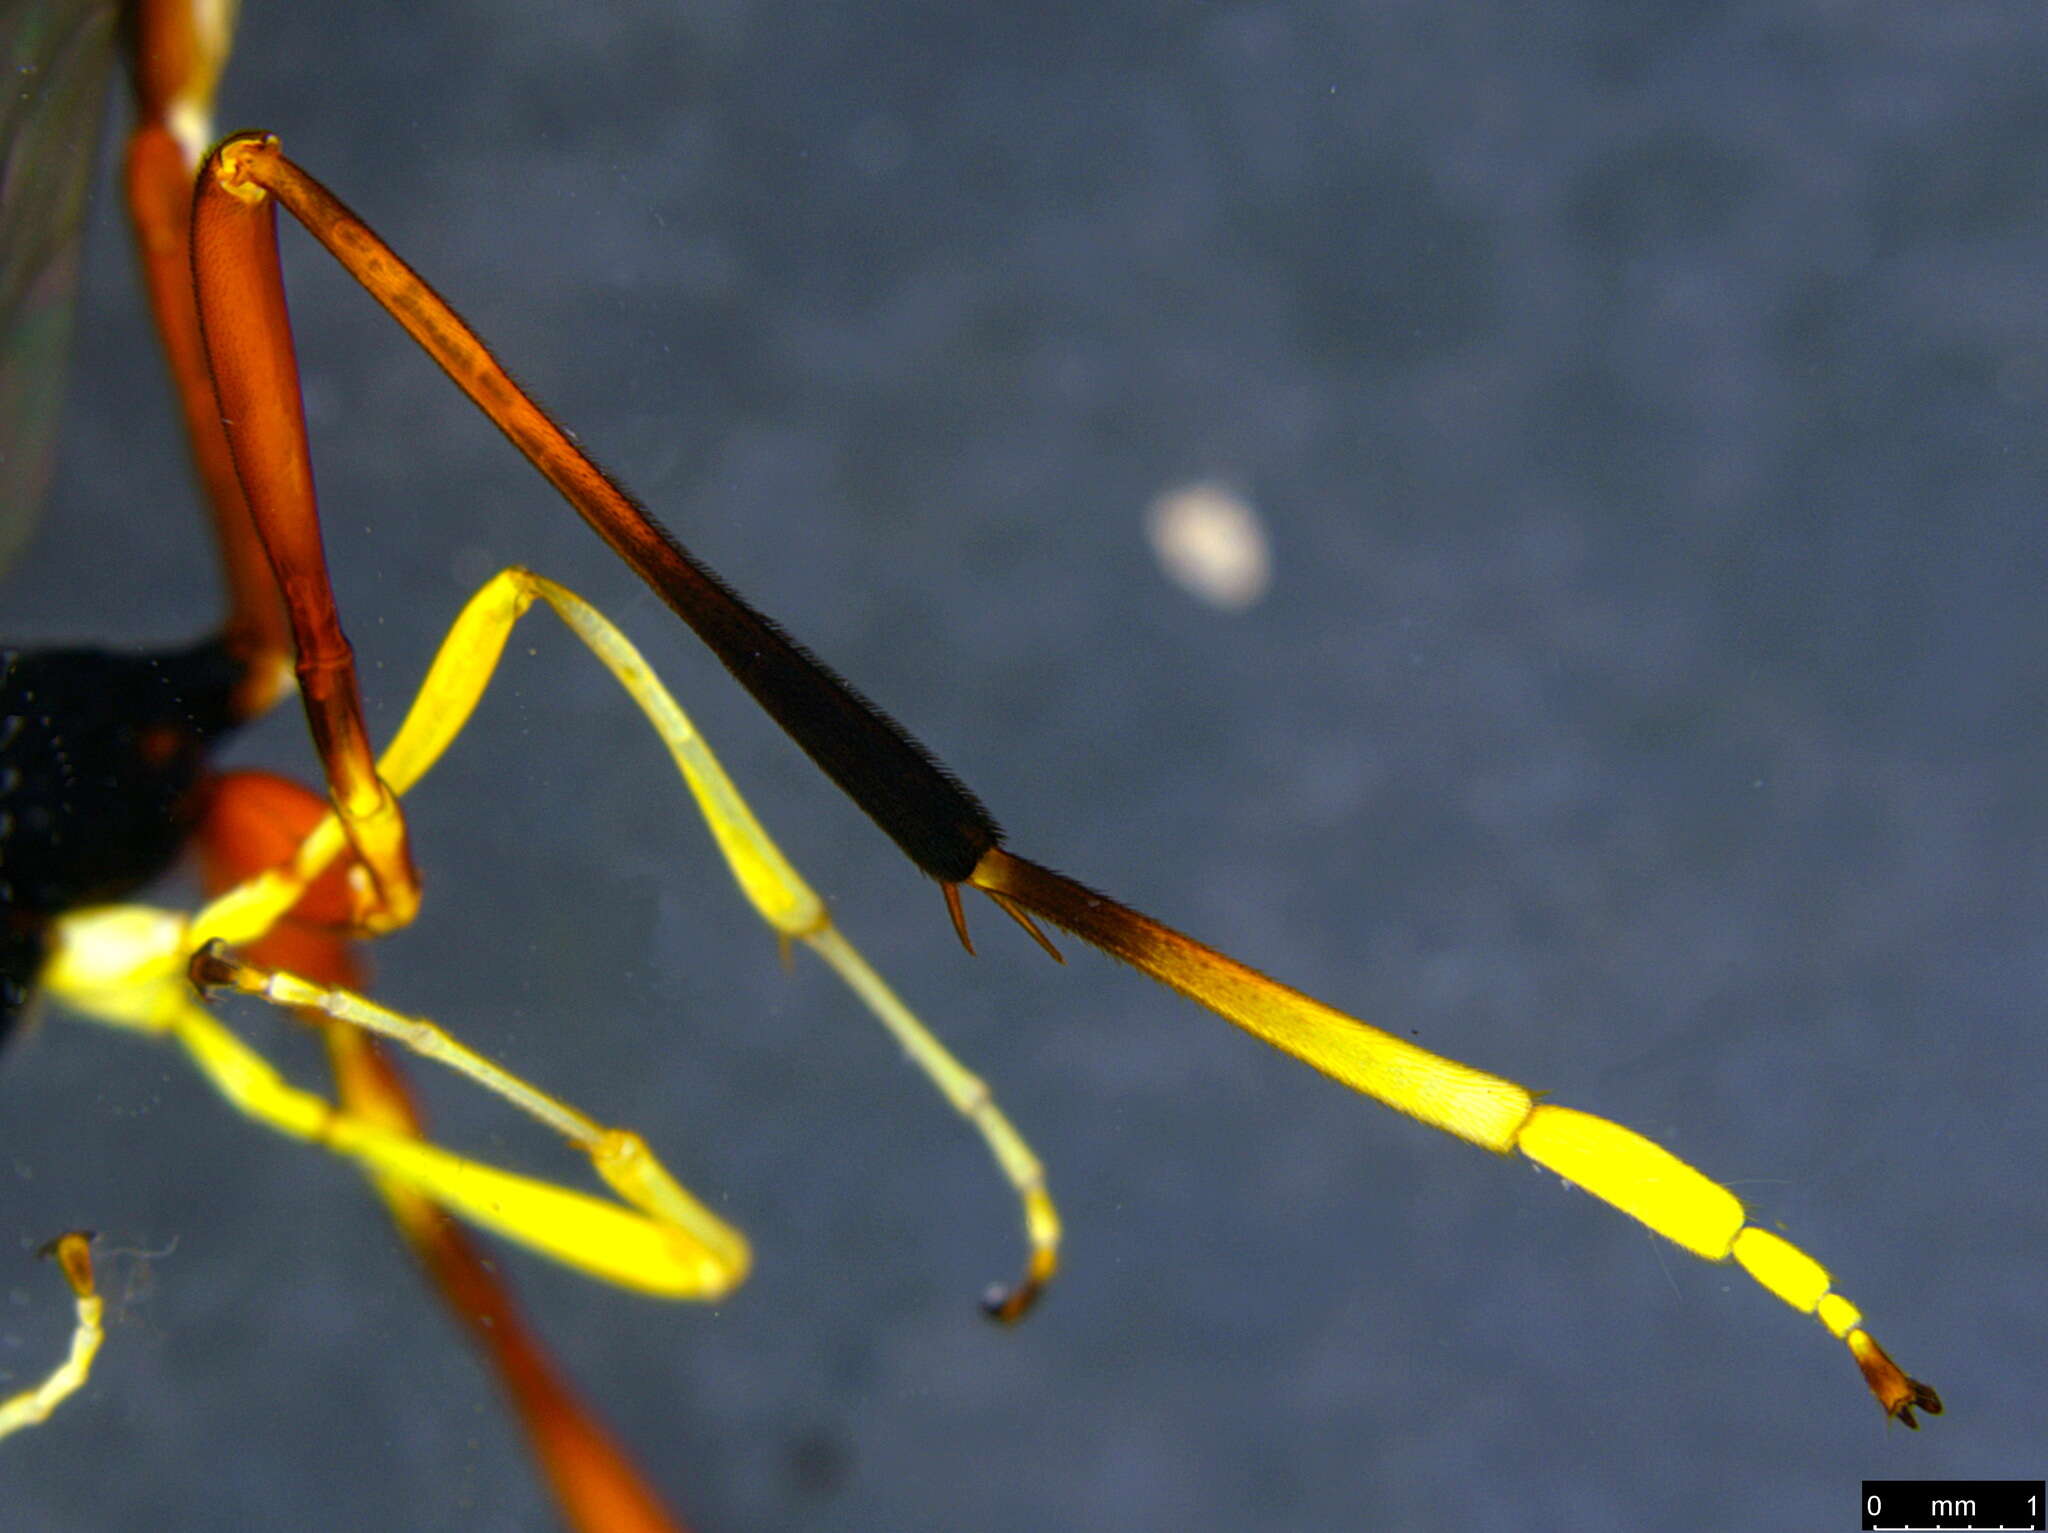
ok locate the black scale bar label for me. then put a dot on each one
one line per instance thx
(1895, 1505)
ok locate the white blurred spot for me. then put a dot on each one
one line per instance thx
(1211, 543)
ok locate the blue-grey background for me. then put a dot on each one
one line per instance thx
(1646, 404)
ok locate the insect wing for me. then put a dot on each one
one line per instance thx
(57, 53)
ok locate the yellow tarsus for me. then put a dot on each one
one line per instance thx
(1616, 1164)
(32, 1406)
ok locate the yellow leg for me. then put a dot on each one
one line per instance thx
(679, 1250)
(32, 1406)
(455, 682)
(1643, 1180)
(783, 900)
(659, 1241)
(96, 969)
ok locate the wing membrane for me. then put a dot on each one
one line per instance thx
(57, 53)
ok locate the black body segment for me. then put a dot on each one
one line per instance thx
(101, 758)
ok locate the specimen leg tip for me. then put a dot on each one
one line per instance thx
(72, 1251)
(1007, 1304)
(1897, 1391)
